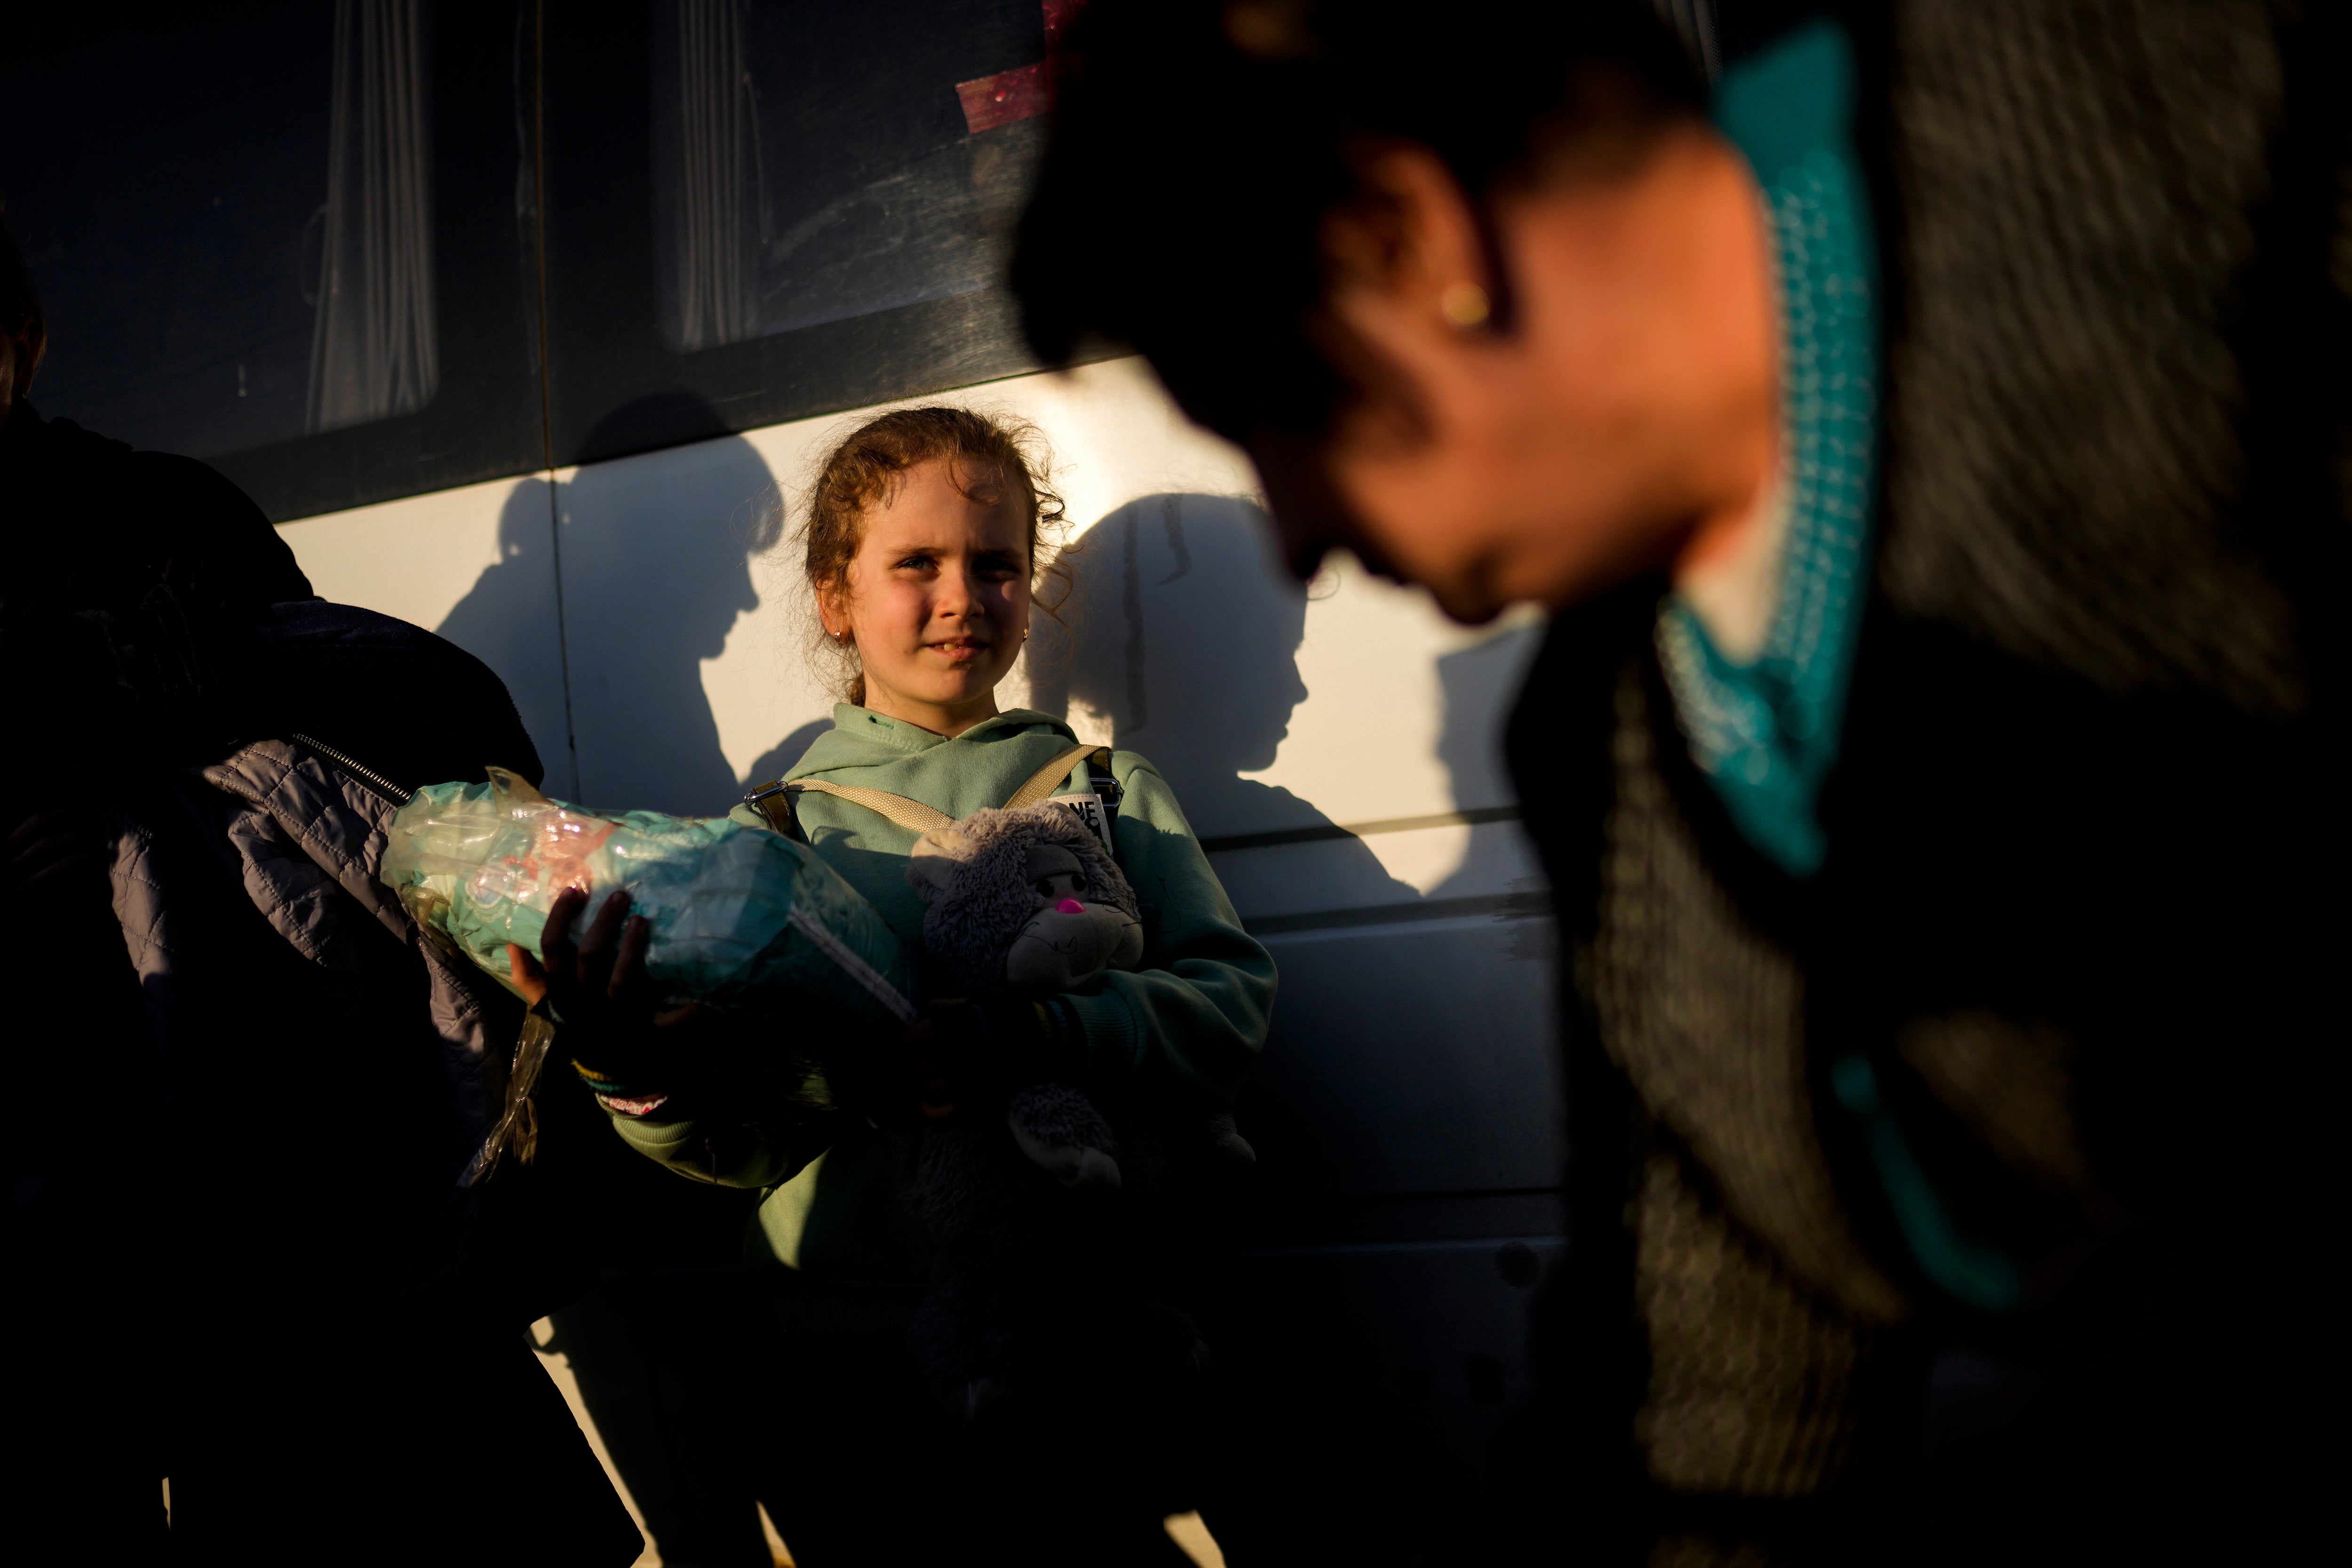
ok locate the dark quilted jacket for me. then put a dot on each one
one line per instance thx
(244, 1087)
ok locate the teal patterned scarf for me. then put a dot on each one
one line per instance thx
(1765, 729)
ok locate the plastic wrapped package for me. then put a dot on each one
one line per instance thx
(745, 921)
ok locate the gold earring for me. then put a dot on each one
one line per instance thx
(1464, 305)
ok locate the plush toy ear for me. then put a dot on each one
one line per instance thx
(938, 856)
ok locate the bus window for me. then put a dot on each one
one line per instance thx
(814, 162)
(175, 221)
(781, 208)
(288, 237)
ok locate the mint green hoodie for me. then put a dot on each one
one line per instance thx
(1183, 1028)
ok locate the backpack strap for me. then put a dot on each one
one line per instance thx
(898, 808)
(1108, 790)
(1048, 778)
(774, 800)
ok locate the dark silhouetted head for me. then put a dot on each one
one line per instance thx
(1198, 146)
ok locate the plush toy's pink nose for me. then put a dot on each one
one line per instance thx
(1070, 906)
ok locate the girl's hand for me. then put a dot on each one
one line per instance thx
(598, 989)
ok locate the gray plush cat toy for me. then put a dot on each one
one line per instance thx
(1046, 1240)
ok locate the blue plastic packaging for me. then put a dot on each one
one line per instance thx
(745, 921)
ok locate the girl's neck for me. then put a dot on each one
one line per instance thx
(939, 718)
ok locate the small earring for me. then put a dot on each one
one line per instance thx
(1024, 634)
(1464, 305)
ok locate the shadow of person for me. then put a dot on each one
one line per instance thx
(655, 554)
(652, 555)
(509, 620)
(1182, 634)
(1182, 639)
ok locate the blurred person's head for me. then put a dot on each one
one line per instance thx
(1485, 294)
(927, 535)
(23, 331)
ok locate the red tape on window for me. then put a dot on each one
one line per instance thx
(1025, 92)
(1005, 98)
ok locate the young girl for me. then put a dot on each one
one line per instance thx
(923, 554)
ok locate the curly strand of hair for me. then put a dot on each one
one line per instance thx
(859, 472)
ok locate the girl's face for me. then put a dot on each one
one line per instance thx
(938, 596)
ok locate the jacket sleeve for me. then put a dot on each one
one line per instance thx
(1186, 1025)
(729, 1150)
(733, 1120)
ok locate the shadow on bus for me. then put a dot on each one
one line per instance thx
(1181, 635)
(650, 556)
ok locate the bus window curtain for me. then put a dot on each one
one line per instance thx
(374, 351)
(706, 188)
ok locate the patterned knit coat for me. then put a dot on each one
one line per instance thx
(2082, 901)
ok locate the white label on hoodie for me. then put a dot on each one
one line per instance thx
(1090, 810)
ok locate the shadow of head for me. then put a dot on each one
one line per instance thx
(522, 522)
(507, 620)
(657, 569)
(1183, 633)
(658, 547)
